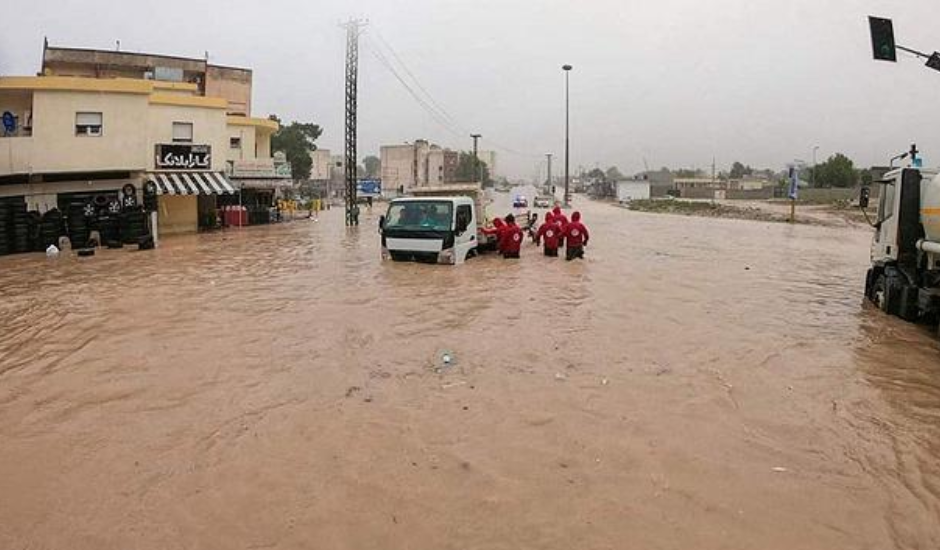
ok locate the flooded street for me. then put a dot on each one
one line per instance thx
(695, 383)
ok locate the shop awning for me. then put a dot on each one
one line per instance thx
(191, 183)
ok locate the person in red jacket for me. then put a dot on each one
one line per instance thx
(497, 231)
(561, 221)
(511, 243)
(551, 234)
(576, 237)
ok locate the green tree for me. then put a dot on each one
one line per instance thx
(865, 177)
(597, 174)
(837, 171)
(469, 169)
(372, 165)
(739, 171)
(613, 174)
(297, 140)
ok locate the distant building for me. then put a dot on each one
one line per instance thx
(418, 164)
(321, 167)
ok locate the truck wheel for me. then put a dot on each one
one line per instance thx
(885, 294)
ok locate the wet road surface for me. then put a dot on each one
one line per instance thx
(695, 383)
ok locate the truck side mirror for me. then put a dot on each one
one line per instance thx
(381, 223)
(863, 197)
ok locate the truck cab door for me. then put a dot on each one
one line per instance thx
(885, 243)
(465, 238)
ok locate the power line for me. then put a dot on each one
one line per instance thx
(432, 106)
(436, 116)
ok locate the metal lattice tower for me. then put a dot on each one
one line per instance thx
(352, 77)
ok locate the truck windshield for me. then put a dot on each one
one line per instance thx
(420, 216)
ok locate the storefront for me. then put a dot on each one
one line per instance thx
(258, 184)
(188, 191)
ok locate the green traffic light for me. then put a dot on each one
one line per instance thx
(882, 39)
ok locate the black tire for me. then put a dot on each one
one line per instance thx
(885, 294)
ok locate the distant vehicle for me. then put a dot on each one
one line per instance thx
(543, 201)
(441, 225)
(520, 202)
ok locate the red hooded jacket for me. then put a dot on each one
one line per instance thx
(511, 239)
(498, 229)
(550, 232)
(576, 234)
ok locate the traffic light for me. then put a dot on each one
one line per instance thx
(882, 39)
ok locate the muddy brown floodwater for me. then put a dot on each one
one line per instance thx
(696, 383)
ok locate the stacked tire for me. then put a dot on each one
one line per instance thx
(5, 228)
(78, 230)
(20, 227)
(133, 225)
(50, 228)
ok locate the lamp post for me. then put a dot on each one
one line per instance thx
(567, 69)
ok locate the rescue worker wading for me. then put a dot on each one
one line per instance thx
(576, 237)
(551, 234)
(498, 229)
(511, 242)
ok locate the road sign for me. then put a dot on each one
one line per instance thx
(882, 39)
(794, 190)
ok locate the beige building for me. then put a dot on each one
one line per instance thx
(95, 122)
(418, 164)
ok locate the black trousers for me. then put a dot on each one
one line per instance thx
(551, 252)
(573, 252)
(511, 255)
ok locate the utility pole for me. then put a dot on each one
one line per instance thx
(476, 159)
(567, 69)
(549, 156)
(352, 87)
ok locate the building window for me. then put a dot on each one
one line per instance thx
(182, 132)
(235, 142)
(88, 124)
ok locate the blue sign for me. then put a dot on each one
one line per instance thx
(9, 122)
(794, 183)
(370, 188)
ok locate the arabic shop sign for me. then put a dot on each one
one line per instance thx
(186, 157)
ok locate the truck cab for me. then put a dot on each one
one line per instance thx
(430, 229)
(904, 278)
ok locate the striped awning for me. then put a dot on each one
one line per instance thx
(191, 183)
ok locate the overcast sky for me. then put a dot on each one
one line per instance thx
(675, 82)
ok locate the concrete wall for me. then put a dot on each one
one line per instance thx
(248, 137)
(398, 167)
(57, 149)
(209, 128)
(632, 190)
(232, 84)
(178, 214)
(320, 170)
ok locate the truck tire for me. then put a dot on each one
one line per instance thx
(885, 294)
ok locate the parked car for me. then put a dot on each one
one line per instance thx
(543, 201)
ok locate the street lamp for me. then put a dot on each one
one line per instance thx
(813, 178)
(567, 69)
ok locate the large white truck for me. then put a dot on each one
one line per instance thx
(904, 278)
(442, 225)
